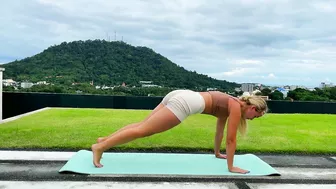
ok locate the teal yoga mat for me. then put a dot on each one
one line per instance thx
(165, 164)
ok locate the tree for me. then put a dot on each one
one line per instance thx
(108, 63)
(8, 88)
(266, 91)
(276, 95)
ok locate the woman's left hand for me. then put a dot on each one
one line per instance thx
(221, 156)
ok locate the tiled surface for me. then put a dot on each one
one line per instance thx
(114, 185)
(35, 155)
(292, 186)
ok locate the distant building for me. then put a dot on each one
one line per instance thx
(145, 82)
(287, 87)
(283, 91)
(42, 83)
(107, 87)
(293, 87)
(247, 87)
(26, 84)
(9, 82)
(148, 84)
(211, 89)
(238, 89)
(325, 85)
(258, 86)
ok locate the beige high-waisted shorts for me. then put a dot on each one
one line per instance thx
(184, 103)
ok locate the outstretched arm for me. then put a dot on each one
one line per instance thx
(219, 136)
(234, 121)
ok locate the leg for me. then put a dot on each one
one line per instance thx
(101, 139)
(161, 121)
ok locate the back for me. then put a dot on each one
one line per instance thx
(220, 103)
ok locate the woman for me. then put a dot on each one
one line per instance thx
(177, 106)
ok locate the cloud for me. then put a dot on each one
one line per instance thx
(238, 71)
(247, 62)
(243, 41)
(271, 75)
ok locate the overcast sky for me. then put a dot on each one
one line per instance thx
(266, 41)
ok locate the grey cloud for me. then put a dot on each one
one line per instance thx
(208, 37)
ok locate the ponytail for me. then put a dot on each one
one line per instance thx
(242, 126)
(260, 105)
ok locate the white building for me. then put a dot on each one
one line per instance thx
(293, 87)
(150, 85)
(26, 84)
(9, 82)
(325, 85)
(238, 89)
(145, 82)
(211, 89)
(283, 91)
(42, 83)
(247, 87)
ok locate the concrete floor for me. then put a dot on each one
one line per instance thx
(150, 185)
(35, 170)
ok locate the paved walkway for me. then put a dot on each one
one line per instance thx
(34, 169)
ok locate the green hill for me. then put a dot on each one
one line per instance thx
(107, 63)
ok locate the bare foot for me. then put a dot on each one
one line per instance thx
(221, 156)
(100, 139)
(97, 154)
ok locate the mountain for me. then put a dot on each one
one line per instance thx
(107, 63)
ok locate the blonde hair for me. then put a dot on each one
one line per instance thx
(258, 102)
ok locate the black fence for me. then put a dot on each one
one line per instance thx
(19, 103)
(309, 107)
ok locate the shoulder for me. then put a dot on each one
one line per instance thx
(234, 106)
(222, 95)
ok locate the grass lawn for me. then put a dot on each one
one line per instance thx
(79, 129)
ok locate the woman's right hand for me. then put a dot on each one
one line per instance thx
(238, 170)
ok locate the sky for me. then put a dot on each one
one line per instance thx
(278, 42)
